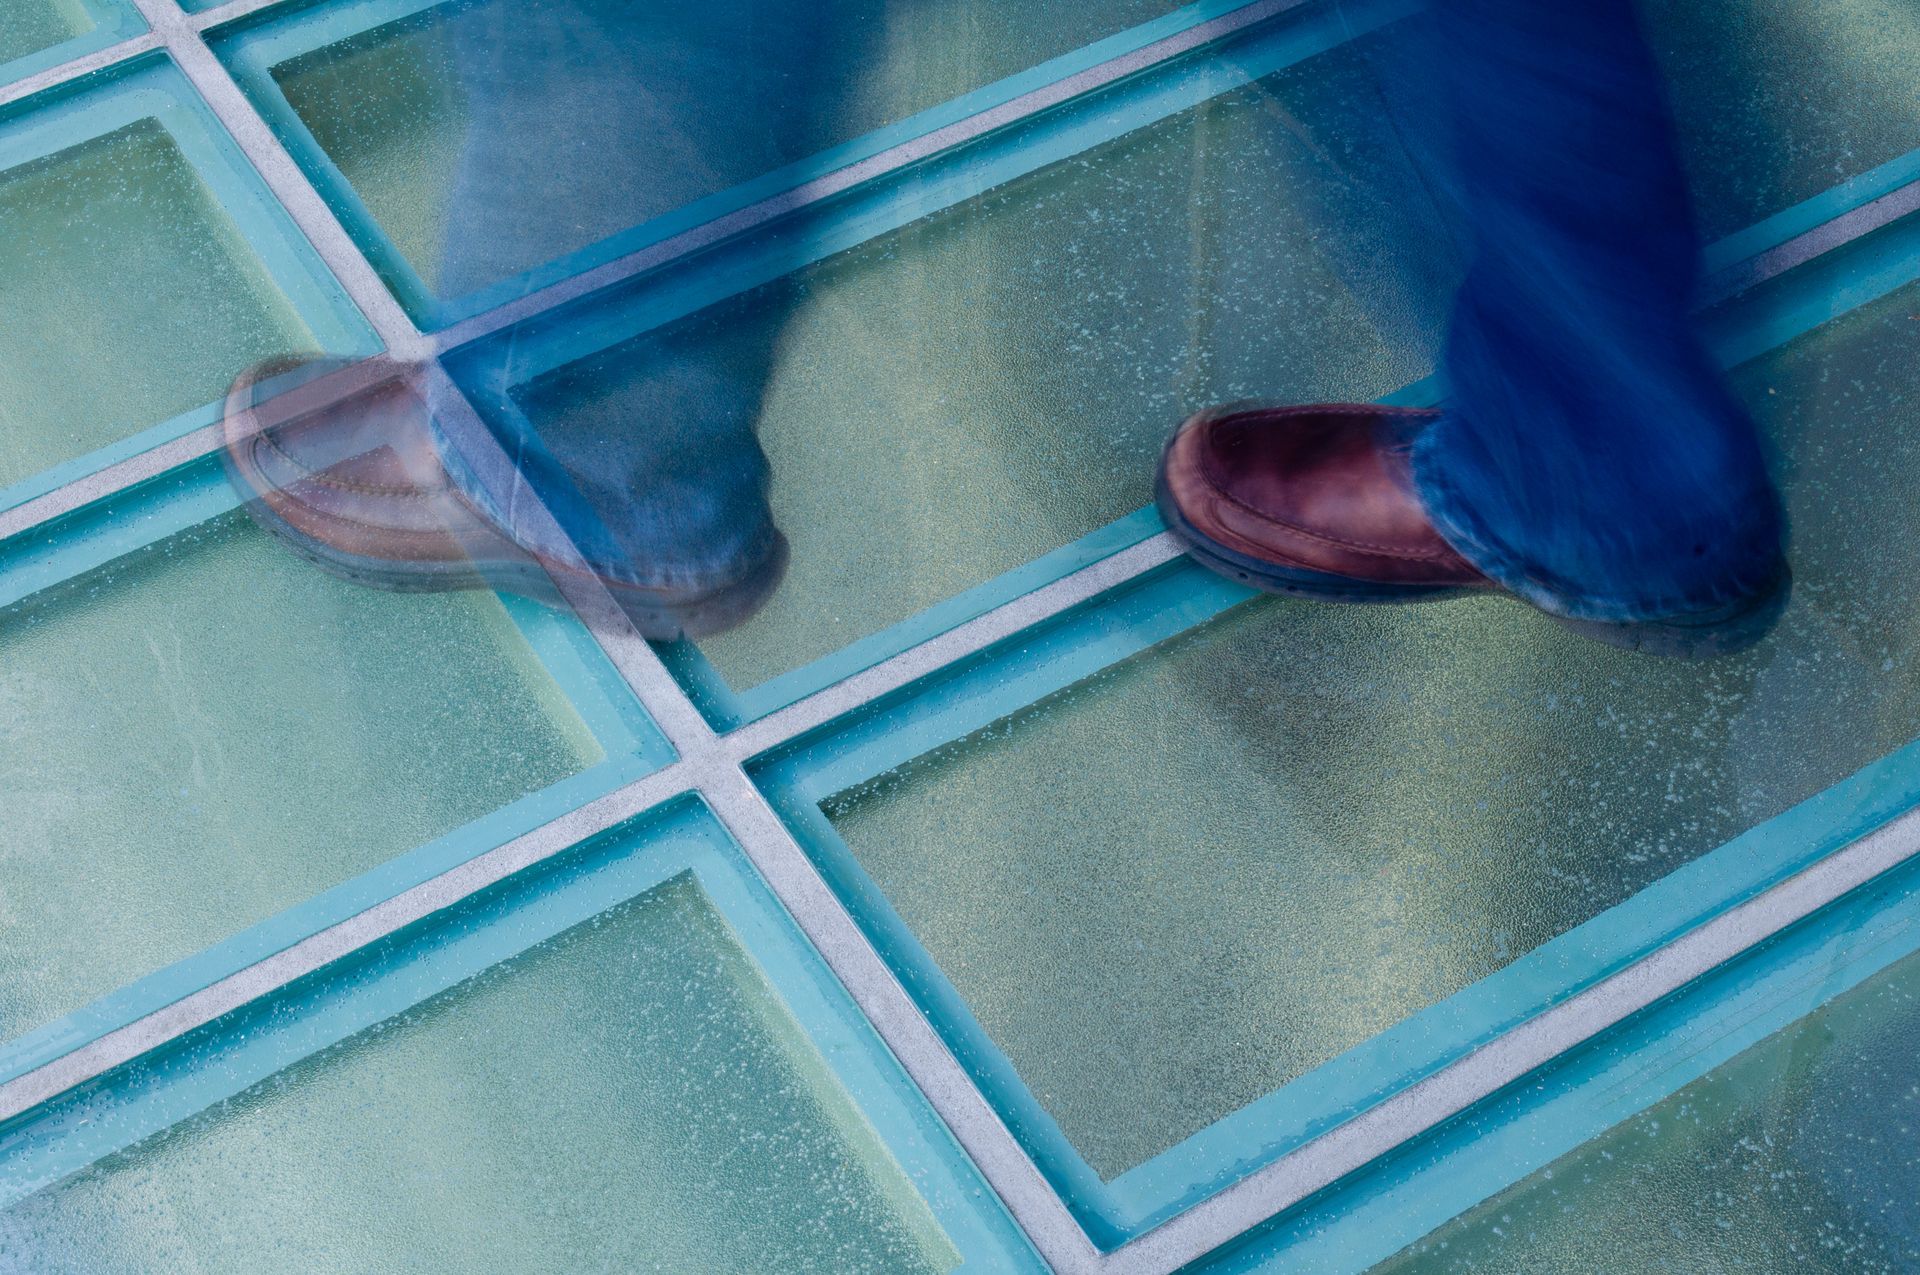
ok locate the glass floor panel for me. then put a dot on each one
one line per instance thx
(407, 111)
(29, 26)
(1777, 102)
(1799, 1155)
(210, 730)
(679, 1120)
(983, 386)
(1191, 879)
(132, 298)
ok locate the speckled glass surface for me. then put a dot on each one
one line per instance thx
(989, 383)
(1800, 1155)
(1777, 101)
(629, 1096)
(211, 730)
(130, 298)
(408, 111)
(29, 26)
(1176, 886)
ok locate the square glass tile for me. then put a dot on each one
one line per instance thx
(485, 139)
(951, 400)
(1800, 1155)
(630, 1095)
(211, 730)
(1171, 888)
(131, 298)
(1776, 102)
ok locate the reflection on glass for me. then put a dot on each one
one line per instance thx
(1173, 888)
(210, 730)
(628, 1096)
(1799, 1155)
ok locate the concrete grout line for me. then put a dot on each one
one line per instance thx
(224, 13)
(906, 153)
(321, 948)
(937, 652)
(1853, 224)
(1512, 1055)
(888, 1006)
(66, 72)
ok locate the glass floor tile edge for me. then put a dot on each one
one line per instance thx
(111, 23)
(1605, 1080)
(148, 88)
(633, 747)
(621, 862)
(253, 52)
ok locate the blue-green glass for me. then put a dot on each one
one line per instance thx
(29, 26)
(1172, 888)
(211, 730)
(1777, 101)
(950, 400)
(622, 112)
(131, 297)
(629, 1096)
(1801, 1155)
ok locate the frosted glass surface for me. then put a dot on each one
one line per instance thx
(1779, 99)
(1797, 1156)
(627, 1097)
(1174, 887)
(983, 386)
(202, 734)
(619, 112)
(28, 26)
(130, 298)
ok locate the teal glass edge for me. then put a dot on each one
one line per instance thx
(1172, 599)
(678, 838)
(150, 87)
(182, 498)
(113, 21)
(1425, 1183)
(491, 370)
(254, 46)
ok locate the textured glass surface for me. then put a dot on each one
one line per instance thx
(619, 112)
(946, 402)
(28, 26)
(627, 1097)
(1176, 886)
(130, 298)
(211, 730)
(1801, 1155)
(1777, 101)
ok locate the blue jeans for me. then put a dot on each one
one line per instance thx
(1590, 456)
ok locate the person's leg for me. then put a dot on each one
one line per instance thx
(1590, 457)
(1587, 456)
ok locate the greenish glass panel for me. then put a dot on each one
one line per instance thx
(29, 26)
(131, 298)
(950, 400)
(211, 730)
(1801, 1155)
(1174, 887)
(1777, 101)
(629, 1096)
(621, 112)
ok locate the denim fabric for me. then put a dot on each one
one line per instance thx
(1590, 457)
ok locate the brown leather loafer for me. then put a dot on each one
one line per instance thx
(1314, 501)
(353, 483)
(1319, 502)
